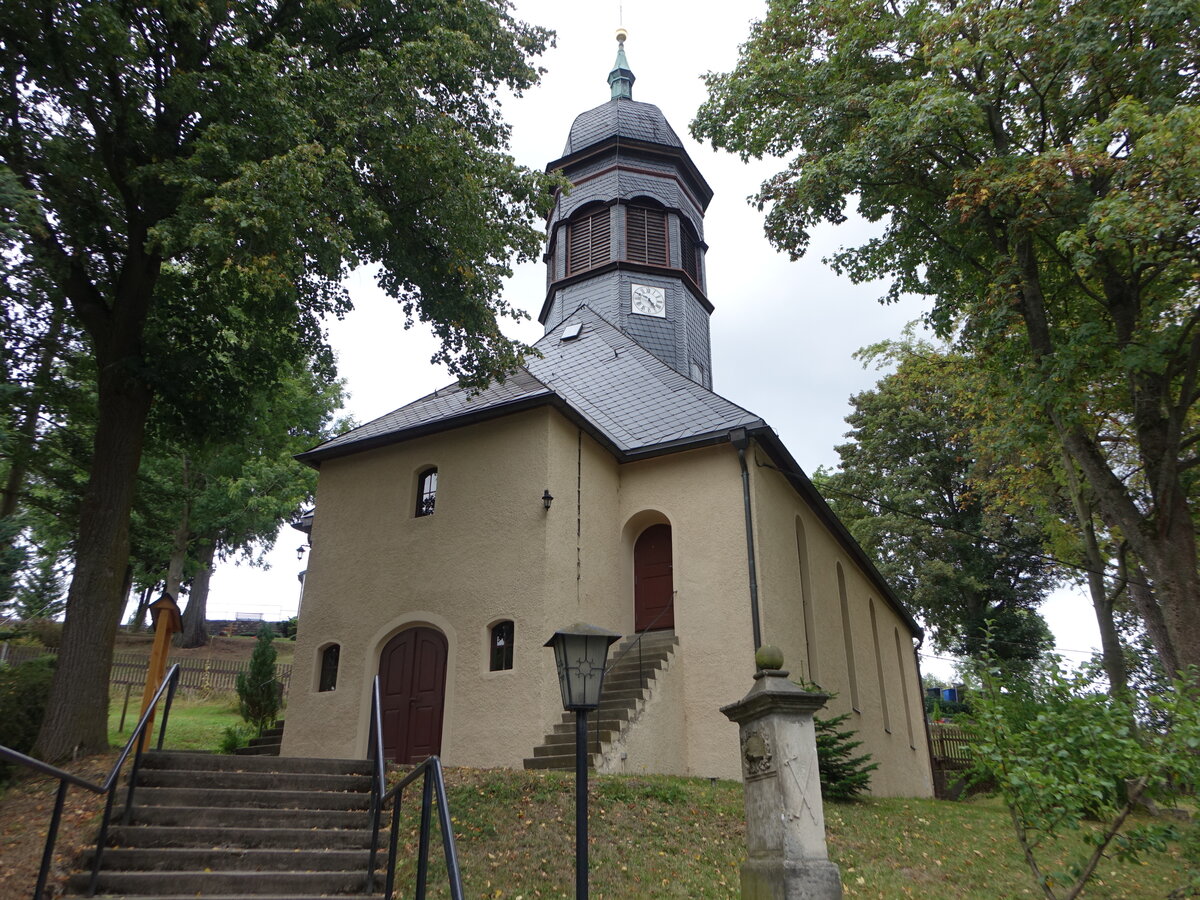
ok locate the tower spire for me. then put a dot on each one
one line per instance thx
(621, 79)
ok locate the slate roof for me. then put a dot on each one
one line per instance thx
(625, 396)
(622, 118)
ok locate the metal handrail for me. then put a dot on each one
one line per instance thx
(431, 769)
(107, 786)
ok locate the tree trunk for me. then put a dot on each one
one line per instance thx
(137, 622)
(195, 617)
(1162, 536)
(77, 711)
(1102, 602)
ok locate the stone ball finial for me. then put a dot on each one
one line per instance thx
(622, 34)
(768, 657)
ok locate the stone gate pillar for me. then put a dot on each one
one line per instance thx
(785, 820)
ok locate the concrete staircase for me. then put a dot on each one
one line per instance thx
(627, 686)
(266, 744)
(233, 827)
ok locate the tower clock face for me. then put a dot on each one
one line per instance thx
(649, 301)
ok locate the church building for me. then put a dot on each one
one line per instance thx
(603, 482)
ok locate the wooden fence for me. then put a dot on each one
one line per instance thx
(951, 758)
(214, 675)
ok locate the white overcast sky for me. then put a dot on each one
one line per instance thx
(783, 332)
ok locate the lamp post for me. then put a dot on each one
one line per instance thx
(580, 652)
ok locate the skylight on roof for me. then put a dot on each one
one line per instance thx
(572, 331)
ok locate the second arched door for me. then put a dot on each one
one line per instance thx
(653, 584)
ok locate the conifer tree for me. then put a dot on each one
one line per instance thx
(260, 694)
(843, 775)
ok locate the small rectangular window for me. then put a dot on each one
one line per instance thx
(502, 646)
(329, 667)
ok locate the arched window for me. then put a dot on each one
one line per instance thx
(588, 241)
(848, 639)
(806, 605)
(646, 235)
(329, 667)
(883, 703)
(501, 644)
(904, 690)
(426, 492)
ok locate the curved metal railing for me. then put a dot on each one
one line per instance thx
(107, 786)
(433, 782)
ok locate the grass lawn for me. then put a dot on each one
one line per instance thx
(655, 836)
(194, 724)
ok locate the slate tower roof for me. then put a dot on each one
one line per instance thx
(628, 238)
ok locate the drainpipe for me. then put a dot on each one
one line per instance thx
(741, 440)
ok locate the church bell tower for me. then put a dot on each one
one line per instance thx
(627, 240)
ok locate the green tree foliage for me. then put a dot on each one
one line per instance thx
(909, 489)
(195, 179)
(260, 693)
(1060, 751)
(1033, 167)
(40, 595)
(844, 776)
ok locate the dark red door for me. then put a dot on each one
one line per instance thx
(412, 678)
(653, 587)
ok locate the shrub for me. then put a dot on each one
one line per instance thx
(234, 737)
(46, 632)
(260, 694)
(24, 691)
(1055, 746)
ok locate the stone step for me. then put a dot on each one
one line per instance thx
(243, 817)
(594, 725)
(260, 750)
(559, 749)
(560, 763)
(249, 837)
(216, 762)
(565, 738)
(226, 859)
(253, 780)
(275, 799)
(221, 883)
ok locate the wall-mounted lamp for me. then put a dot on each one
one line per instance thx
(300, 551)
(547, 498)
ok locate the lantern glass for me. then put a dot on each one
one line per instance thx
(580, 653)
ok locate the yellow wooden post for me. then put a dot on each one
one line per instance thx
(165, 614)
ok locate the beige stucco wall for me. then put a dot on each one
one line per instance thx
(491, 552)
(884, 680)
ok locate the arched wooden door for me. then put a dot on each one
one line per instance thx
(412, 687)
(653, 585)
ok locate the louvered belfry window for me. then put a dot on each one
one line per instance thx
(646, 235)
(690, 255)
(588, 242)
